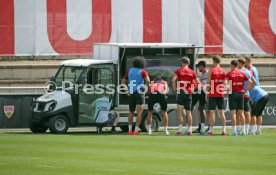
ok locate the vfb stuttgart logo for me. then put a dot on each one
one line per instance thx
(9, 111)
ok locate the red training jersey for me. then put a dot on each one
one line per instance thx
(185, 78)
(218, 76)
(236, 80)
(158, 87)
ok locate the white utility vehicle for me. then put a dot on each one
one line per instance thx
(81, 102)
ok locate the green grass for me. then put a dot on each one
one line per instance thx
(88, 153)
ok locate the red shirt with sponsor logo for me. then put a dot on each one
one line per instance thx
(218, 76)
(185, 78)
(236, 80)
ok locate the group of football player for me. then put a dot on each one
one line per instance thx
(241, 84)
(246, 99)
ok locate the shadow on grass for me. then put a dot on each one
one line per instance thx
(70, 133)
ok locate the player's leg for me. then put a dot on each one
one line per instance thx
(233, 112)
(180, 109)
(139, 110)
(132, 106)
(188, 107)
(260, 108)
(247, 114)
(166, 122)
(164, 108)
(189, 122)
(130, 120)
(220, 106)
(238, 121)
(240, 112)
(212, 102)
(149, 116)
(202, 112)
(202, 115)
(233, 122)
(259, 125)
(149, 121)
(252, 129)
(195, 99)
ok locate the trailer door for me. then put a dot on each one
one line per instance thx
(97, 94)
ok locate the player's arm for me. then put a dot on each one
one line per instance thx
(248, 87)
(197, 82)
(124, 81)
(174, 82)
(208, 84)
(208, 81)
(254, 83)
(147, 80)
(166, 87)
(249, 83)
(227, 84)
(145, 75)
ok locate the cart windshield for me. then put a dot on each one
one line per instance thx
(70, 74)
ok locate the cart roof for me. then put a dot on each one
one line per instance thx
(149, 45)
(84, 62)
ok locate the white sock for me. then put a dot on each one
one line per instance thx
(136, 128)
(251, 129)
(166, 128)
(247, 128)
(223, 129)
(211, 129)
(148, 127)
(180, 128)
(239, 128)
(202, 126)
(234, 128)
(129, 127)
(189, 129)
(259, 128)
(243, 129)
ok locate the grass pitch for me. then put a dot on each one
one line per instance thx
(89, 153)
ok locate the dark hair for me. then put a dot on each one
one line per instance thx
(216, 58)
(234, 63)
(185, 60)
(139, 62)
(242, 60)
(158, 76)
(201, 63)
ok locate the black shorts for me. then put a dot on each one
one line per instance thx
(157, 98)
(236, 101)
(199, 97)
(135, 99)
(247, 107)
(259, 106)
(215, 102)
(184, 99)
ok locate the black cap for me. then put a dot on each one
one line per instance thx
(201, 63)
